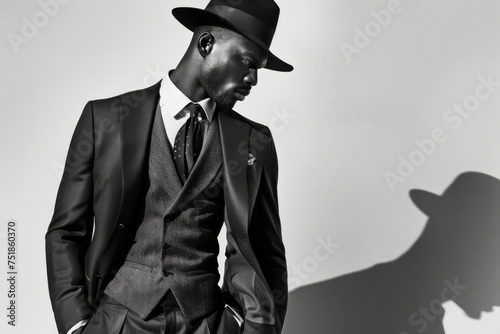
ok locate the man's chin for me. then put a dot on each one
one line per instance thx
(225, 104)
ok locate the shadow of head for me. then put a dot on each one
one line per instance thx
(463, 232)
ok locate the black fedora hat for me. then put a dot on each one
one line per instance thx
(255, 19)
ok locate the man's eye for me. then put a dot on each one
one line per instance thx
(247, 62)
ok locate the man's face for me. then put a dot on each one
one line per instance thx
(230, 69)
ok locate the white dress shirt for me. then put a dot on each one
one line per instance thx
(172, 101)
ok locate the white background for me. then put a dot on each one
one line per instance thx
(340, 123)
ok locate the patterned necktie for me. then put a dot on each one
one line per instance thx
(189, 139)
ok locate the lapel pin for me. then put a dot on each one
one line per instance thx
(251, 159)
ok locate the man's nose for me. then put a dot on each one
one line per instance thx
(251, 78)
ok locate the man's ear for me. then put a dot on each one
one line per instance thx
(205, 43)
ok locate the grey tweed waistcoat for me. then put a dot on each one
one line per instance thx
(175, 246)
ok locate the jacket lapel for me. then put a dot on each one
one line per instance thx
(235, 135)
(136, 116)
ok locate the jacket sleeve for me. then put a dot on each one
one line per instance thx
(266, 238)
(69, 233)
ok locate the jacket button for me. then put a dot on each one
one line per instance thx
(165, 273)
(99, 276)
(121, 226)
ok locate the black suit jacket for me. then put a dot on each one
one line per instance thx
(99, 191)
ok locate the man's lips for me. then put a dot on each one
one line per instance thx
(242, 93)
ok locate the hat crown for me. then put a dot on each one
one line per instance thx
(256, 19)
(265, 10)
(471, 184)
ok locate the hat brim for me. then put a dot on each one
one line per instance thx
(426, 201)
(194, 17)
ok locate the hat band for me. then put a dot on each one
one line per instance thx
(245, 22)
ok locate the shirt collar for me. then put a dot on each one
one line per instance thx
(172, 100)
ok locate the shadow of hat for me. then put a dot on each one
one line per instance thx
(256, 20)
(461, 194)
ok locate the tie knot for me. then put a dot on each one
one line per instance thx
(195, 110)
(191, 109)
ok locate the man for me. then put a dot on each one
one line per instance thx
(151, 177)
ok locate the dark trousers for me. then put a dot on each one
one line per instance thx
(113, 318)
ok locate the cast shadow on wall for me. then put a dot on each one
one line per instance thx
(457, 258)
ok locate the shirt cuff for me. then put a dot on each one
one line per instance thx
(78, 325)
